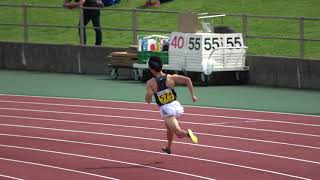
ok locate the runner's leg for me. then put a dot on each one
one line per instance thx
(172, 123)
(169, 137)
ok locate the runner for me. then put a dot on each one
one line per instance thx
(162, 87)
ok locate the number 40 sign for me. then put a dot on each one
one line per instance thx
(202, 43)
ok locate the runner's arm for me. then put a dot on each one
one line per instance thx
(179, 79)
(149, 92)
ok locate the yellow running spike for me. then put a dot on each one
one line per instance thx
(193, 137)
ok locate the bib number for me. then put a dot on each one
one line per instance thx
(165, 96)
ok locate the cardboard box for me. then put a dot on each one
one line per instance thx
(187, 22)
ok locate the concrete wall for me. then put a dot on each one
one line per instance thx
(1, 58)
(284, 72)
(267, 71)
(310, 74)
(11, 56)
(55, 58)
(51, 58)
(94, 60)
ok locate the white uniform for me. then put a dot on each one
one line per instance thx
(171, 109)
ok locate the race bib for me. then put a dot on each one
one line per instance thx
(165, 96)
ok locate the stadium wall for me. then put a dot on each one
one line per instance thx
(284, 72)
(55, 58)
(310, 74)
(266, 71)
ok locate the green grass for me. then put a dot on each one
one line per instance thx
(116, 19)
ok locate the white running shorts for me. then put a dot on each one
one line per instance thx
(171, 109)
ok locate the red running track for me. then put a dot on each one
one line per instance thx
(64, 138)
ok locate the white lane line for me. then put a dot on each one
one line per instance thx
(55, 167)
(132, 102)
(254, 119)
(10, 177)
(152, 111)
(104, 159)
(159, 120)
(235, 122)
(159, 140)
(266, 130)
(158, 129)
(154, 152)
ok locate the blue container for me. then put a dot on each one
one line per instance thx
(110, 2)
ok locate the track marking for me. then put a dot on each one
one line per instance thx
(159, 140)
(158, 129)
(159, 120)
(132, 102)
(239, 122)
(55, 167)
(147, 151)
(10, 177)
(104, 159)
(144, 110)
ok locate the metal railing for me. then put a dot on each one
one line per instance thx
(134, 24)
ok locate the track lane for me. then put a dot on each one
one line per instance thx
(144, 106)
(312, 128)
(188, 116)
(32, 170)
(219, 154)
(264, 134)
(3, 176)
(165, 160)
(67, 156)
(300, 116)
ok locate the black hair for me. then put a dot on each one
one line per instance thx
(155, 63)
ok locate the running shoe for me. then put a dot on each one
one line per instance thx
(166, 150)
(193, 137)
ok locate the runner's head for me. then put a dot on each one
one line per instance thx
(155, 63)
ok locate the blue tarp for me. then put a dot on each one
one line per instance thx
(110, 2)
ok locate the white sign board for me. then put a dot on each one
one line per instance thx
(177, 43)
(233, 40)
(206, 51)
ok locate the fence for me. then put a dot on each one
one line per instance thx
(244, 18)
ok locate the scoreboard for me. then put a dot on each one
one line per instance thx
(207, 52)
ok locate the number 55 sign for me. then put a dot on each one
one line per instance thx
(233, 40)
(202, 43)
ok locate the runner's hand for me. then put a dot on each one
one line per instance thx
(194, 98)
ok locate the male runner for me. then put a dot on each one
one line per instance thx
(162, 87)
